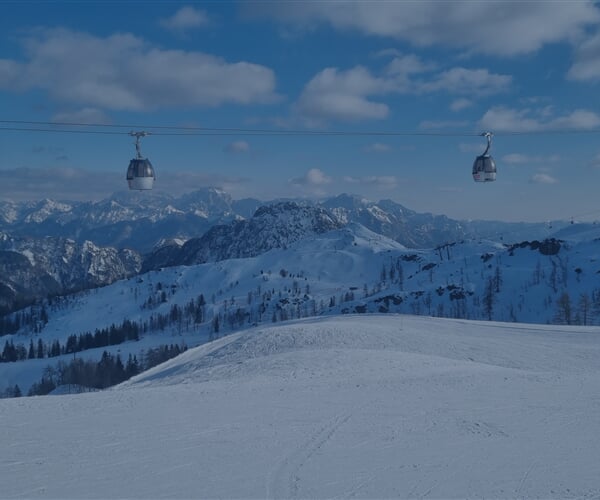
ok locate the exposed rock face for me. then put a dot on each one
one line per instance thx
(32, 268)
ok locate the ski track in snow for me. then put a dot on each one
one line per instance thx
(285, 482)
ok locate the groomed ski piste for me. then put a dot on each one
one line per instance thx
(369, 406)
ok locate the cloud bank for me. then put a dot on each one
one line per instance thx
(122, 72)
(517, 27)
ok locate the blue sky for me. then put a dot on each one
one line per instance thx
(527, 71)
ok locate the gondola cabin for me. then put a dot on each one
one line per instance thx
(484, 167)
(140, 173)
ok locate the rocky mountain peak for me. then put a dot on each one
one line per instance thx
(273, 226)
(31, 268)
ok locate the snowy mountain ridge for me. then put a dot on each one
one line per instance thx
(166, 228)
(140, 220)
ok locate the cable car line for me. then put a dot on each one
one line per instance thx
(193, 130)
(19, 129)
(232, 131)
(140, 173)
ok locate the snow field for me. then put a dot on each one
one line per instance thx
(362, 406)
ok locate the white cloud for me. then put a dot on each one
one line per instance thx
(58, 154)
(378, 147)
(237, 147)
(501, 118)
(334, 94)
(521, 159)
(472, 147)
(343, 95)
(543, 179)
(586, 65)
(408, 64)
(467, 81)
(490, 27)
(76, 184)
(186, 18)
(59, 183)
(181, 181)
(527, 120)
(442, 124)
(515, 159)
(535, 99)
(85, 115)
(460, 104)
(456, 80)
(377, 181)
(450, 189)
(387, 53)
(313, 178)
(123, 72)
(578, 119)
(9, 73)
(313, 183)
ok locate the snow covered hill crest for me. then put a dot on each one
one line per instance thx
(377, 406)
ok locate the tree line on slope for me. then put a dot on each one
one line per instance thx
(103, 337)
(108, 371)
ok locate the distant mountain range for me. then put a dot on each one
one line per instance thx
(136, 220)
(52, 247)
(144, 221)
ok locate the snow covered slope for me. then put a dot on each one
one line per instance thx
(344, 271)
(357, 406)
